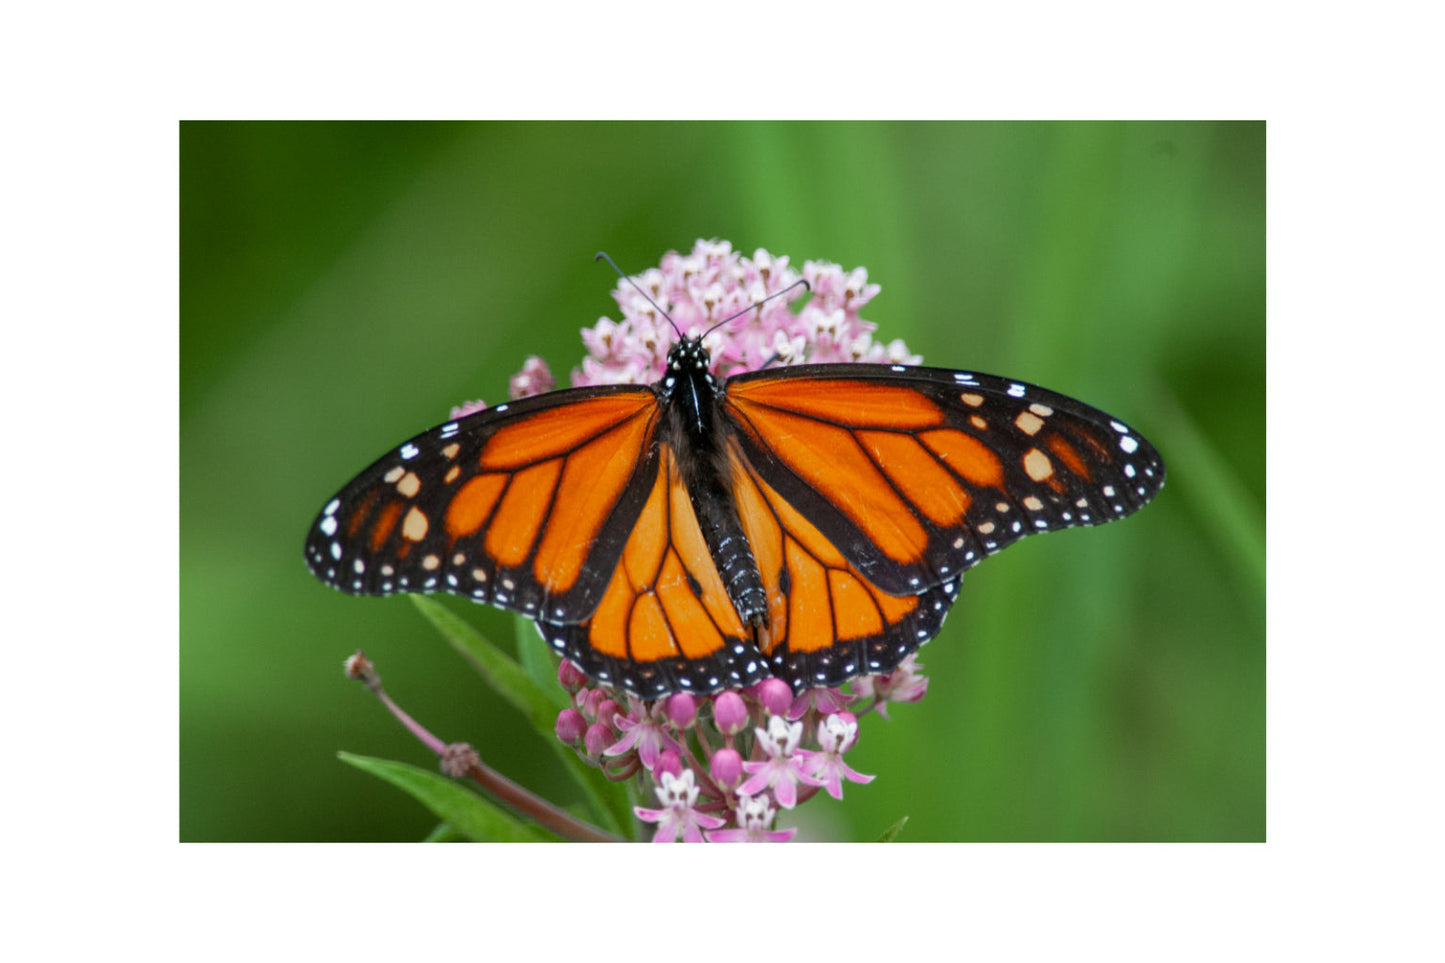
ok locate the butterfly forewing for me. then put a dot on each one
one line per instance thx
(526, 506)
(916, 474)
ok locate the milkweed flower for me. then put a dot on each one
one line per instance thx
(826, 767)
(824, 700)
(744, 775)
(677, 817)
(467, 408)
(782, 770)
(535, 378)
(713, 282)
(905, 684)
(754, 816)
(643, 729)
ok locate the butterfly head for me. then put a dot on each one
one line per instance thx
(688, 355)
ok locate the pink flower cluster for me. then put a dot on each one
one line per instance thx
(724, 766)
(711, 284)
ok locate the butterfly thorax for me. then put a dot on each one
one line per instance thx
(689, 396)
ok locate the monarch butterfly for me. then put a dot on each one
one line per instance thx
(810, 522)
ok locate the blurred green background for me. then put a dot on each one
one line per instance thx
(342, 285)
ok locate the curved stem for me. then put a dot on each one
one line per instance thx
(461, 759)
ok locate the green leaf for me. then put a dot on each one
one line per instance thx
(1232, 517)
(891, 833)
(539, 703)
(534, 654)
(465, 811)
(444, 833)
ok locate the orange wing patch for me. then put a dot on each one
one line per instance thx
(971, 458)
(472, 505)
(385, 522)
(520, 516)
(553, 432)
(850, 402)
(1069, 457)
(921, 479)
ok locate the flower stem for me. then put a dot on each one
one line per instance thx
(461, 759)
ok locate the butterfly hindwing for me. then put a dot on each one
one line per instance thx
(827, 622)
(665, 622)
(526, 506)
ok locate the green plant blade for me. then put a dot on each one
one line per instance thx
(1235, 521)
(533, 653)
(500, 670)
(444, 833)
(464, 811)
(539, 703)
(891, 833)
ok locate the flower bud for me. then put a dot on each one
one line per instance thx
(730, 713)
(775, 696)
(726, 767)
(681, 709)
(571, 677)
(607, 712)
(599, 737)
(571, 726)
(667, 761)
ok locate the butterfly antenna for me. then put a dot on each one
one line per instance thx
(758, 304)
(603, 256)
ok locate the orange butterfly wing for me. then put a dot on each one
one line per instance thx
(868, 490)
(665, 623)
(526, 506)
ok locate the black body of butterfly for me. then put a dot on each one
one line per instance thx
(810, 522)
